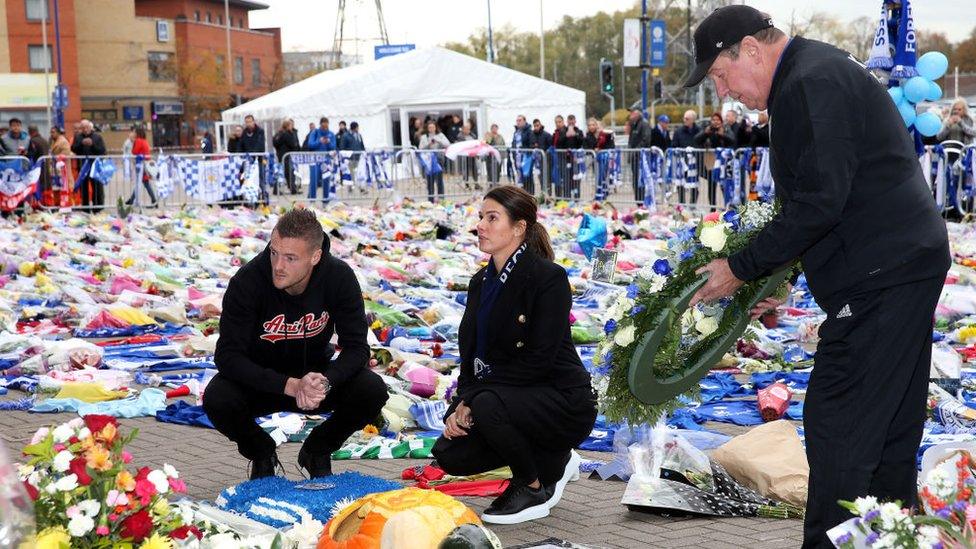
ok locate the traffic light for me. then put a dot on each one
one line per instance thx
(606, 76)
(658, 89)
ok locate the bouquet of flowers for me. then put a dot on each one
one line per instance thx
(946, 516)
(85, 494)
(684, 336)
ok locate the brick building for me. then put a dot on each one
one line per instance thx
(161, 63)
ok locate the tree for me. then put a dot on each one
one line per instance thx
(964, 54)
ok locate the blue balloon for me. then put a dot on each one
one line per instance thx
(932, 65)
(935, 92)
(916, 88)
(928, 124)
(907, 111)
(897, 95)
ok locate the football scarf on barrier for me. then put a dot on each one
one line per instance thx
(723, 171)
(556, 164)
(429, 162)
(83, 173)
(164, 177)
(608, 172)
(904, 62)
(371, 170)
(579, 163)
(690, 169)
(765, 185)
(17, 182)
(251, 180)
(491, 288)
(648, 174)
(211, 181)
(881, 50)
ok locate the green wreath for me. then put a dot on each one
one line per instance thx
(650, 356)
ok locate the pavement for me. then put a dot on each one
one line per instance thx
(590, 513)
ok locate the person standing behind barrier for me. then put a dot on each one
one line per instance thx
(684, 137)
(320, 140)
(597, 139)
(714, 136)
(639, 138)
(16, 140)
(60, 148)
(234, 141)
(286, 141)
(207, 143)
(567, 138)
(660, 135)
(352, 141)
(37, 148)
(759, 137)
(416, 130)
(340, 134)
(89, 143)
(734, 125)
(542, 140)
(469, 164)
(958, 126)
(493, 166)
(522, 140)
(434, 141)
(140, 146)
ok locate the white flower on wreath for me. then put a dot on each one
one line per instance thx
(866, 504)
(66, 483)
(706, 325)
(80, 525)
(657, 283)
(159, 480)
(928, 536)
(625, 336)
(62, 461)
(714, 237)
(620, 308)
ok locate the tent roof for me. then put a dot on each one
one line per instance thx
(424, 76)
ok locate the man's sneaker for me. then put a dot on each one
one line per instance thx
(502, 498)
(265, 467)
(520, 504)
(317, 465)
(570, 472)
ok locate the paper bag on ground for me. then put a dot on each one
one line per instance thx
(769, 459)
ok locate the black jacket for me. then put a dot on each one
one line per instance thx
(286, 142)
(759, 137)
(253, 142)
(267, 336)
(855, 207)
(97, 147)
(528, 138)
(660, 138)
(234, 145)
(684, 136)
(561, 141)
(710, 138)
(541, 139)
(530, 342)
(640, 135)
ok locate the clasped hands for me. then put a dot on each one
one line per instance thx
(458, 423)
(308, 391)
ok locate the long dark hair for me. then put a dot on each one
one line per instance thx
(521, 206)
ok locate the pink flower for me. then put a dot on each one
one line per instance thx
(102, 530)
(971, 513)
(126, 456)
(113, 517)
(116, 498)
(145, 490)
(72, 512)
(40, 435)
(59, 447)
(712, 217)
(177, 485)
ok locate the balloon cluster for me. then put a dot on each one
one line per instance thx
(930, 67)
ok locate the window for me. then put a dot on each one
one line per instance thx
(255, 72)
(221, 68)
(209, 18)
(220, 19)
(238, 70)
(196, 15)
(161, 67)
(35, 9)
(39, 59)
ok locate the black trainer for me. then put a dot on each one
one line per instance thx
(520, 504)
(502, 498)
(265, 467)
(317, 465)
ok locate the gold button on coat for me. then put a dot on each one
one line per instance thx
(519, 344)
(521, 319)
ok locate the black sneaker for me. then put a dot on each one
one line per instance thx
(519, 505)
(502, 498)
(317, 465)
(265, 467)
(570, 472)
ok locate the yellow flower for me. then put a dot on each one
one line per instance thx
(157, 542)
(128, 262)
(161, 507)
(108, 433)
(53, 538)
(371, 430)
(125, 482)
(99, 459)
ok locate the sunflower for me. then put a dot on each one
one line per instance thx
(157, 542)
(52, 538)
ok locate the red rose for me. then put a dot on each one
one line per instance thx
(137, 526)
(78, 467)
(96, 422)
(184, 531)
(31, 491)
(143, 473)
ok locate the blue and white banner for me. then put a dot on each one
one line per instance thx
(904, 62)
(881, 50)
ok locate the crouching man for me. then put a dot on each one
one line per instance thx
(274, 353)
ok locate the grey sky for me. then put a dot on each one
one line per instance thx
(310, 24)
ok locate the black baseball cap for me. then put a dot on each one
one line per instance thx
(722, 29)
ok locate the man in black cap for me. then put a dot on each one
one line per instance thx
(855, 210)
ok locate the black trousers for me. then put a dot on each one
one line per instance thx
(92, 195)
(865, 406)
(232, 408)
(530, 429)
(435, 180)
(635, 173)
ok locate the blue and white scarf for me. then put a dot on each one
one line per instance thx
(608, 172)
(371, 170)
(765, 185)
(904, 62)
(429, 163)
(881, 50)
(723, 172)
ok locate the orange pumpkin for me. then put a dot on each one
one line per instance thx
(360, 524)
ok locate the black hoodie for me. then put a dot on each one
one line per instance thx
(267, 335)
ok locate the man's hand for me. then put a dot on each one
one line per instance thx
(309, 391)
(86, 141)
(769, 304)
(721, 282)
(457, 424)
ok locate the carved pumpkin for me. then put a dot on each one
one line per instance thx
(360, 525)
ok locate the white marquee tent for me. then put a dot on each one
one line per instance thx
(382, 96)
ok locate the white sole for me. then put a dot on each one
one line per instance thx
(570, 474)
(531, 513)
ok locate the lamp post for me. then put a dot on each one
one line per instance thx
(491, 42)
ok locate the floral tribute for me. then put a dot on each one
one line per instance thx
(691, 333)
(86, 493)
(945, 518)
